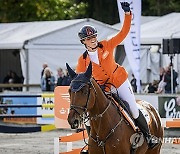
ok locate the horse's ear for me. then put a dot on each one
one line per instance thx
(72, 74)
(88, 72)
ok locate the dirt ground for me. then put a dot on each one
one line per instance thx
(43, 143)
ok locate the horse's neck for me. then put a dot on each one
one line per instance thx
(101, 100)
(103, 116)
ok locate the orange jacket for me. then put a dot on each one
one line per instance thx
(108, 71)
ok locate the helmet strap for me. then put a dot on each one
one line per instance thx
(98, 45)
(91, 47)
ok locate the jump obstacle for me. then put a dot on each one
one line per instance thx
(19, 128)
(68, 140)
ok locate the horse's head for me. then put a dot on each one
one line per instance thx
(82, 96)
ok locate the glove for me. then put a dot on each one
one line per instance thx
(125, 6)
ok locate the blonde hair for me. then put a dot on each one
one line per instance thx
(46, 71)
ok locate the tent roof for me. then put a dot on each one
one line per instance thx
(167, 26)
(14, 35)
(144, 19)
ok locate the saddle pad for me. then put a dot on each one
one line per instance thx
(145, 113)
(131, 121)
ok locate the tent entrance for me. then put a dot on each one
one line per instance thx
(10, 61)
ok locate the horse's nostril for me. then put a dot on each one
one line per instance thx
(76, 123)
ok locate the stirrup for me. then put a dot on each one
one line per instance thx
(152, 141)
(84, 152)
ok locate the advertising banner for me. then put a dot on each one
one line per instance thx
(62, 104)
(16, 110)
(45, 110)
(132, 41)
(169, 107)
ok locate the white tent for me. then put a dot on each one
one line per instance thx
(165, 27)
(54, 42)
(144, 19)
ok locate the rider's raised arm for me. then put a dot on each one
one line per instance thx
(116, 40)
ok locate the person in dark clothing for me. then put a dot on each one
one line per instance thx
(167, 80)
(162, 73)
(152, 87)
(60, 76)
(13, 78)
(66, 79)
(44, 66)
(7, 77)
(133, 83)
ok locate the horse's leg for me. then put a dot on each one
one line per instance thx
(142, 149)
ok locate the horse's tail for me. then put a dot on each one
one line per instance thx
(158, 120)
(157, 129)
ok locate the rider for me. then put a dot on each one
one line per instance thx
(106, 70)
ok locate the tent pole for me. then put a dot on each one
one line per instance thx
(27, 64)
(171, 65)
(27, 69)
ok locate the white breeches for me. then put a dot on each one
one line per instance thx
(125, 92)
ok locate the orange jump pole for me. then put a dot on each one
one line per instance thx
(69, 139)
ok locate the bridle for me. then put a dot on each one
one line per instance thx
(84, 116)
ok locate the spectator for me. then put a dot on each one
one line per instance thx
(167, 80)
(44, 66)
(3, 110)
(66, 79)
(151, 87)
(60, 76)
(162, 73)
(7, 77)
(133, 83)
(161, 84)
(47, 80)
(13, 78)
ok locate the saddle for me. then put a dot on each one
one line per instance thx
(123, 108)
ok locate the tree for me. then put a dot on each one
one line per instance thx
(102, 10)
(160, 7)
(38, 10)
(107, 10)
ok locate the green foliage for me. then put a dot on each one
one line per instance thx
(160, 7)
(107, 10)
(38, 10)
(102, 10)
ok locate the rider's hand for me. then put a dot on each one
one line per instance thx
(125, 6)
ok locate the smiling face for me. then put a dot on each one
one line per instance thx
(91, 42)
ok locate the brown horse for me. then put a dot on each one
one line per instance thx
(110, 131)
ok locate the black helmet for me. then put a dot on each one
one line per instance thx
(87, 31)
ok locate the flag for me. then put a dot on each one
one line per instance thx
(132, 41)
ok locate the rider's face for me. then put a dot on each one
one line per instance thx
(91, 41)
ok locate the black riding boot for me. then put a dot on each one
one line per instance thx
(88, 129)
(151, 140)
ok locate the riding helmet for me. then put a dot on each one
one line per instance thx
(87, 31)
